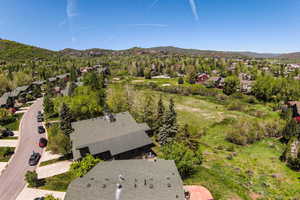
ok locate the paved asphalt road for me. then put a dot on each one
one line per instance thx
(12, 178)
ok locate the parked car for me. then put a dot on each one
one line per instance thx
(34, 158)
(6, 133)
(43, 142)
(39, 198)
(41, 129)
(40, 119)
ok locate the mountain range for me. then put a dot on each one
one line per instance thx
(10, 50)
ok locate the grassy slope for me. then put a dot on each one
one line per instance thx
(250, 173)
(13, 51)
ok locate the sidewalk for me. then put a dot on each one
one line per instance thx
(8, 143)
(2, 166)
(30, 194)
(47, 155)
(16, 133)
(53, 169)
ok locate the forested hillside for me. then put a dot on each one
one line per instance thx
(11, 51)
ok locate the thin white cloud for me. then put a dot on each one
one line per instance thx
(150, 25)
(62, 23)
(194, 9)
(74, 39)
(71, 8)
(71, 12)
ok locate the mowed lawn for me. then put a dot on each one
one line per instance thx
(231, 171)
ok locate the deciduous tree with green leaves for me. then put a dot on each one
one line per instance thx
(232, 84)
(185, 159)
(81, 168)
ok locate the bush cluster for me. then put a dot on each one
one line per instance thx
(248, 132)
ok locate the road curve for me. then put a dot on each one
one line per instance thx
(12, 179)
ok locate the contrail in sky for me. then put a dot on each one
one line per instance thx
(71, 12)
(71, 8)
(154, 3)
(194, 9)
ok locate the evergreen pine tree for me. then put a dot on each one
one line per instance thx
(48, 105)
(159, 115)
(148, 111)
(73, 73)
(66, 119)
(291, 129)
(169, 129)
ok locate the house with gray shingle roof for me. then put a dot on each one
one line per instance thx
(114, 137)
(129, 180)
(4, 100)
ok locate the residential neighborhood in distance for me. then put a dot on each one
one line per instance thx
(149, 100)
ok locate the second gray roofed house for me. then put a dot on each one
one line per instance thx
(121, 138)
(137, 180)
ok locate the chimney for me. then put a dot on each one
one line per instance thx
(118, 192)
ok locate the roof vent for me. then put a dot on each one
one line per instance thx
(151, 186)
(118, 191)
(88, 185)
(169, 185)
(103, 186)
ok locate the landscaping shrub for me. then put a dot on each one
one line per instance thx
(237, 106)
(246, 132)
(31, 178)
(50, 197)
(6, 117)
(185, 159)
(81, 168)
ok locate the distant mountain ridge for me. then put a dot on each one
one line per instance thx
(10, 50)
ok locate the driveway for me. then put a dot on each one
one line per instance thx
(30, 194)
(12, 178)
(8, 143)
(53, 169)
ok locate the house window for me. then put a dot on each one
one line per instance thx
(84, 151)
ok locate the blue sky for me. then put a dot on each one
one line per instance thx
(252, 25)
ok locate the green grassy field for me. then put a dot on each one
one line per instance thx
(6, 150)
(231, 171)
(57, 183)
(14, 126)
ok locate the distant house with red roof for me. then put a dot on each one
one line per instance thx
(198, 193)
(201, 78)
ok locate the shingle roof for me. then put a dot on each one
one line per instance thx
(143, 180)
(39, 82)
(101, 135)
(4, 97)
(63, 76)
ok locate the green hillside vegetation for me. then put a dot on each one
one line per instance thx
(229, 171)
(14, 51)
